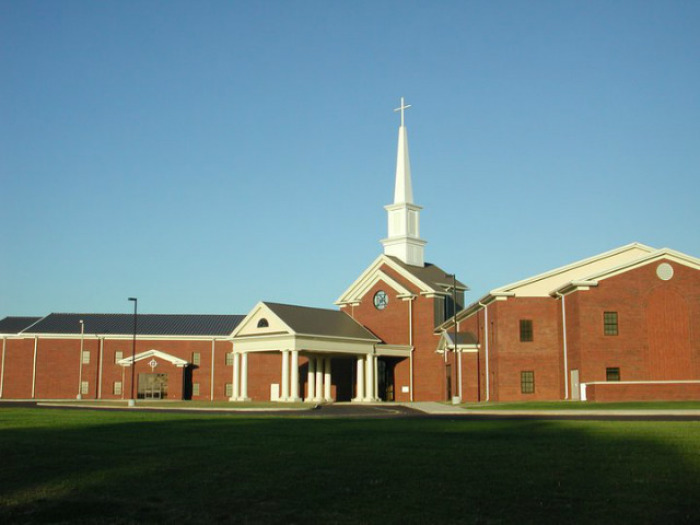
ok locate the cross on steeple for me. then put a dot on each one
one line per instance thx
(403, 241)
(401, 108)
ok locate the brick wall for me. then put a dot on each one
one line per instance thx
(542, 355)
(643, 392)
(657, 326)
(392, 325)
(59, 365)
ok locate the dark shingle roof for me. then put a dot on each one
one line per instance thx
(319, 321)
(148, 324)
(14, 325)
(432, 275)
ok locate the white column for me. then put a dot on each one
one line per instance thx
(360, 380)
(284, 394)
(294, 394)
(244, 377)
(319, 379)
(311, 379)
(376, 377)
(327, 381)
(369, 389)
(236, 394)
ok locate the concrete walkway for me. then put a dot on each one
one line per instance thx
(435, 408)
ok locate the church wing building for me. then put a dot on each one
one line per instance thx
(622, 325)
(96, 356)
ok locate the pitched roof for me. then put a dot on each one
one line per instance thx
(148, 324)
(319, 321)
(592, 279)
(580, 274)
(541, 285)
(432, 275)
(429, 279)
(15, 325)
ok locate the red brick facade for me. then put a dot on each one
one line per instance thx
(62, 372)
(657, 338)
(651, 352)
(407, 321)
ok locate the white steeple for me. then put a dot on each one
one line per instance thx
(404, 240)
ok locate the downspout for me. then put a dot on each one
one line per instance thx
(213, 344)
(36, 345)
(459, 362)
(99, 377)
(410, 343)
(80, 360)
(565, 349)
(2, 370)
(486, 349)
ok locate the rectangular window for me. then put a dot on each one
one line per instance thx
(526, 331)
(229, 389)
(612, 374)
(84, 387)
(86, 357)
(527, 382)
(195, 389)
(118, 356)
(196, 357)
(117, 388)
(610, 323)
(229, 358)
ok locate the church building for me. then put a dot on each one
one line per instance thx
(622, 325)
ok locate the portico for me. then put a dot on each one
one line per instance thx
(317, 336)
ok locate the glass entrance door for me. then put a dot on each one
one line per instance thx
(153, 386)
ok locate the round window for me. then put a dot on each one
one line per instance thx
(664, 271)
(381, 299)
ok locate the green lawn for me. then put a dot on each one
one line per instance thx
(213, 405)
(586, 405)
(75, 466)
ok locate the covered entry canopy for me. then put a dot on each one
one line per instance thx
(318, 334)
(272, 326)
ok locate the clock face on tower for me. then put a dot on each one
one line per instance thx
(381, 299)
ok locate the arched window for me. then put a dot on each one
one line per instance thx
(263, 323)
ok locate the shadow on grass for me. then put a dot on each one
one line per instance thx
(94, 467)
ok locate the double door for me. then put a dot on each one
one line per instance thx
(153, 386)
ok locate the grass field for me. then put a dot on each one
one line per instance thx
(79, 466)
(586, 405)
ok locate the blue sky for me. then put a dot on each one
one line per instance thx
(206, 155)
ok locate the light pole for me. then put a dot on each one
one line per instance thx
(80, 361)
(455, 372)
(133, 349)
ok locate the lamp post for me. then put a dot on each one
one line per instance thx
(133, 349)
(80, 361)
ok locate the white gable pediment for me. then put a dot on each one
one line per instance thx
(665, 254)
(541, 285)
(261, 321)
(154, 354)
(374, 273)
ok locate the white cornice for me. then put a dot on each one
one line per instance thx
(354, 293)
(593, 280)
(573, 266)
(124, 337)
(180, 363)
(259, 311)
